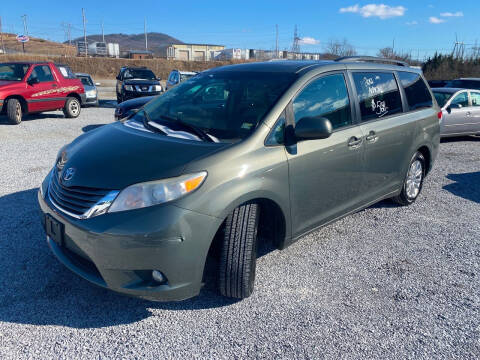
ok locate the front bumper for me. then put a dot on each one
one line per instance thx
(118, 251)
(127, 95)
(91, 101)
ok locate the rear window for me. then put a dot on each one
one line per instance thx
(66, 72)
(418, 96)
(378, 94)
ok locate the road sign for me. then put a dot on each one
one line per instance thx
(22, 38)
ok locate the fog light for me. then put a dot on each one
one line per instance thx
(158, 276)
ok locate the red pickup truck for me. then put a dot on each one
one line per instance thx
(32, 87)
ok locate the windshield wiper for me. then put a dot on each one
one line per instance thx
(146, 120)
(189, 127)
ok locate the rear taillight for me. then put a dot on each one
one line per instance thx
(440, 116)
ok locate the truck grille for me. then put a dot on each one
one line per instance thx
(75, 200)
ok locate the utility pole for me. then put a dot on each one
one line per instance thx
(1, 36)
(103, 33)
(84, 33)
(145, 31)
(25, 28)
(276, 41)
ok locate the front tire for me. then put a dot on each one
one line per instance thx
(239, 252)
(72, 108)
(14, 111)
(413, 183)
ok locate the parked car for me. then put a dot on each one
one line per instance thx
(90, 87)
(133, 82)
(464, 83)
(461, 111)
(177, 76)
(237, 155)
(33, 87)
(437, 83)
(127, 108)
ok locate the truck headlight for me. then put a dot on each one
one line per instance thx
(157, 192)
(91, 93)
(129, 87)
(157, 88)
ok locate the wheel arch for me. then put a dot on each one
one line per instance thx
(20, 98)
(75, 95)
(427, 154)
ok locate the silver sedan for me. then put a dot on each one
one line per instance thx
(461, 111)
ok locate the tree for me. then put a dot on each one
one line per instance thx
(339, 48)
(389, 53)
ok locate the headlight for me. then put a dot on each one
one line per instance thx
(157, 192)
(91, 93)
(157, 88)
(129, 87)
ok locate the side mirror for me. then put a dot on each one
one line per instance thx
(449, 109)
(33, 81)
(98, 84)
(310, 128)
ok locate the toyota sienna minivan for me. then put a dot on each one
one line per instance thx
(232, 158)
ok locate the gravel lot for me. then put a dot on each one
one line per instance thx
(386, 282)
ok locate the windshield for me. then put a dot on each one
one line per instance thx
(185, 77)
(139, 74)
(442, 97)
(13, 72)
(225, 104)
(86, 80)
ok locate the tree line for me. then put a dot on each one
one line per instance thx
(437, 67)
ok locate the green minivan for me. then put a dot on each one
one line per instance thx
(233, 158)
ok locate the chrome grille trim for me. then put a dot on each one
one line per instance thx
(97, 205)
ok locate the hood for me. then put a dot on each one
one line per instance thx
(134, 103)
(6, 85)
(141, 82)
(115, 156)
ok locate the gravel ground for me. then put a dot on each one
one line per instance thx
(386, 282)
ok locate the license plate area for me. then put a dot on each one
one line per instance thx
(54, 229)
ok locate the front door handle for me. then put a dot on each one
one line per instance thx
(469, 113)
(354, 142)
(371, 137)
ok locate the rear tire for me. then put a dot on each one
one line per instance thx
(238, 256)
(72, 108)
(413, 183)
(14, 111)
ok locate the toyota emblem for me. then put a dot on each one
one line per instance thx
(68, 174)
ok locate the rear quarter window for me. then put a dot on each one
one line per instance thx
(418, 96)
(378, 94)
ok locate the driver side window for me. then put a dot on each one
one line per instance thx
(42, 73)
(325, 97)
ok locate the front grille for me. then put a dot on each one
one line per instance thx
(75, 200)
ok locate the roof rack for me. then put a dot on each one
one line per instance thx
(372, 59)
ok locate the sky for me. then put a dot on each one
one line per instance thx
(415, 26)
